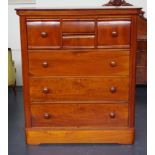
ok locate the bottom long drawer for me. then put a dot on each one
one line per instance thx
(79, 115)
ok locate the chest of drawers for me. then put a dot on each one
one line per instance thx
(79, 74)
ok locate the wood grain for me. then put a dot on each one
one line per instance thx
(78, 26)
(79, 63)
(76, 115)
(85, 94)
(51, 28)
(113, 33)
(116, 135)
(80, 88)
(78, 41)
(25, 72)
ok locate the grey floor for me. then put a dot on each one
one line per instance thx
(17, 144)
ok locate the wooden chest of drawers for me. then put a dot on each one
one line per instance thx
(79, 74)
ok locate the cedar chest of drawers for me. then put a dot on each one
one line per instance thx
(79, 74)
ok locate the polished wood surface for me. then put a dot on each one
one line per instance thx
(77, 115)
(79, 68)
(78, 41)
(80, 88)
(47, 34)
(141, 77)
(79, 63)
(115, 33)
(78, 26)
(75, 135)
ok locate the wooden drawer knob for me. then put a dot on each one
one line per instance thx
(47, 115)
(114, 34)
(45, 90)
(45, 64)
(113, 89)
(113, 63)
(44, 34)
(112, 115)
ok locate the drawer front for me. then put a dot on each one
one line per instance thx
(80, 115)
(78, 41)
(43, 34)
(78, 88)
(114, 34)
(78, 26)
(80, 63)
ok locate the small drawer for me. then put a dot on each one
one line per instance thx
(79, 89)
(78, 26)
(78, 41)
(43, 34)
(79, 63)
(114, 34)
(79, 115)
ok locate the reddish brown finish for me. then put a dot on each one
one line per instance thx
(79, 135)
(47, 34)
(25, 68)
(141, 77)
(117, 3)
(115, 33)
(78, 26)
(80, 13)
(79, 63)
(86, 94)
(77, 115)
(78, 41)
(132, 76)
(80, 88)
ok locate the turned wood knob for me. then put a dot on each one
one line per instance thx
(47, 115)
(113, 89)
(114, 34)
(44, 34)
(45, 64)
(112, 115)
(113, 63)
(45, 90)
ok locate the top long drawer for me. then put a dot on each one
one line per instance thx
(79, 63)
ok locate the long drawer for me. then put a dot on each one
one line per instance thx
(79, 88)
(78, 115)
(79, 62)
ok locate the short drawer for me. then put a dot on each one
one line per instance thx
(114, 34)
(78, 41)
(79, 88)
(79, 63)
(78, 26)
(80, 115)
(43, 34)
